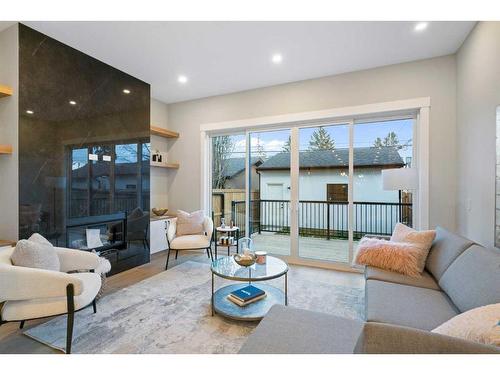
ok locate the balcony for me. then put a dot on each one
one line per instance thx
(323, 225)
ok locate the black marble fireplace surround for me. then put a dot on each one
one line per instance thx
(83, 150)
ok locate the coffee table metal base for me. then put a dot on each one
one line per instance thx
(254, 311)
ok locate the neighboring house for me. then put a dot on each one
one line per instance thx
(235, 173)
(324, 175)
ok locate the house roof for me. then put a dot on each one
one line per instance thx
(338, 158)
(237, 165)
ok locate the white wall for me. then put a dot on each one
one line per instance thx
(433, 77)
(312, 186)
(9, 118)
(159, 176)
(478, 95)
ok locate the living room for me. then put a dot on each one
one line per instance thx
(249, 187)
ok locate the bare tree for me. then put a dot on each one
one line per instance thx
(222, 148)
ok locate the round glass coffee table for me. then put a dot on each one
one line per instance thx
(228, 269)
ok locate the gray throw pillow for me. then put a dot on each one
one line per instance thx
(35, 255)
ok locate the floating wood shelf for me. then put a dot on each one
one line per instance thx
(163, 132)
(5, 91)
(165, 165)
(7, 243)
(5, 149)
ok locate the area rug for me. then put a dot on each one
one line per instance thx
(170, 313)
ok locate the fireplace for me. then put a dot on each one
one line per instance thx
(84, 149)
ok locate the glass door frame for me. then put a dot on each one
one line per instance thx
(294, 256)
(418, 109)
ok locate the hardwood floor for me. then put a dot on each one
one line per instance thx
(13, 341)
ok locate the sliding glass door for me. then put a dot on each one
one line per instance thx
(269, 183)
(323, 206)
(310, 192)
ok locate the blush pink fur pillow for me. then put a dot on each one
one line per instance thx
(401, 257)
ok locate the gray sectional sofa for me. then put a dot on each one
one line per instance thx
(400, 311)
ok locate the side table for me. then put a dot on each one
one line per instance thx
(228, 231)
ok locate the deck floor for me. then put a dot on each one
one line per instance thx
(333, 250)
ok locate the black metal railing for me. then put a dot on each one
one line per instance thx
(322, 218)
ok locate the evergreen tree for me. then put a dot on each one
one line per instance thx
(321, 140)
(391, 140)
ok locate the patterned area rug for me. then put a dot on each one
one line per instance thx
(170, 313)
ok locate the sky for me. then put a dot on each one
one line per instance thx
(365, 134)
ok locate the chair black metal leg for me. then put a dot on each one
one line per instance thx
(70, 292)
(208, 253)
(21, 325)
(176, 253)
(94, 306)
(168, 257)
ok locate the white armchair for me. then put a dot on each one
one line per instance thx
(190, 242)
(33, 293)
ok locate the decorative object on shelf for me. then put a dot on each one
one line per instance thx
(231, 224)
(157, 157)
(260, 257)
(222, 222)
(159, 211)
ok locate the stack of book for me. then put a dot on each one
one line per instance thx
(247, 295)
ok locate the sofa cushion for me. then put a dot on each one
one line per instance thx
(445, 249)
(35, 255)
(473, 279)
(424, 281)
(406, 305)
(378, 338)
(193, 241)
(287, 330)
(36, 308)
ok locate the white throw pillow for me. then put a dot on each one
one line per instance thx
(35, 255)
(38, 238)
(190, 223)
(418, 239)
(481, 325)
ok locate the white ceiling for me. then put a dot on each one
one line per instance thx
(225, 57)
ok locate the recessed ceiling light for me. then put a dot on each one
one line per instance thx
(126, 91)
(182, 79)
(29, 112)
(72, 102)
(421, 26)
(277, 58)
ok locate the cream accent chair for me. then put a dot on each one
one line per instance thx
(192, 241)
(33, 293)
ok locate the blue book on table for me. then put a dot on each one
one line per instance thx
(247, 293)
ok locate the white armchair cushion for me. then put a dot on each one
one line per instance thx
(73, 260)
(89, 285)
(192, 241)
(35, 255)
(20, 283)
